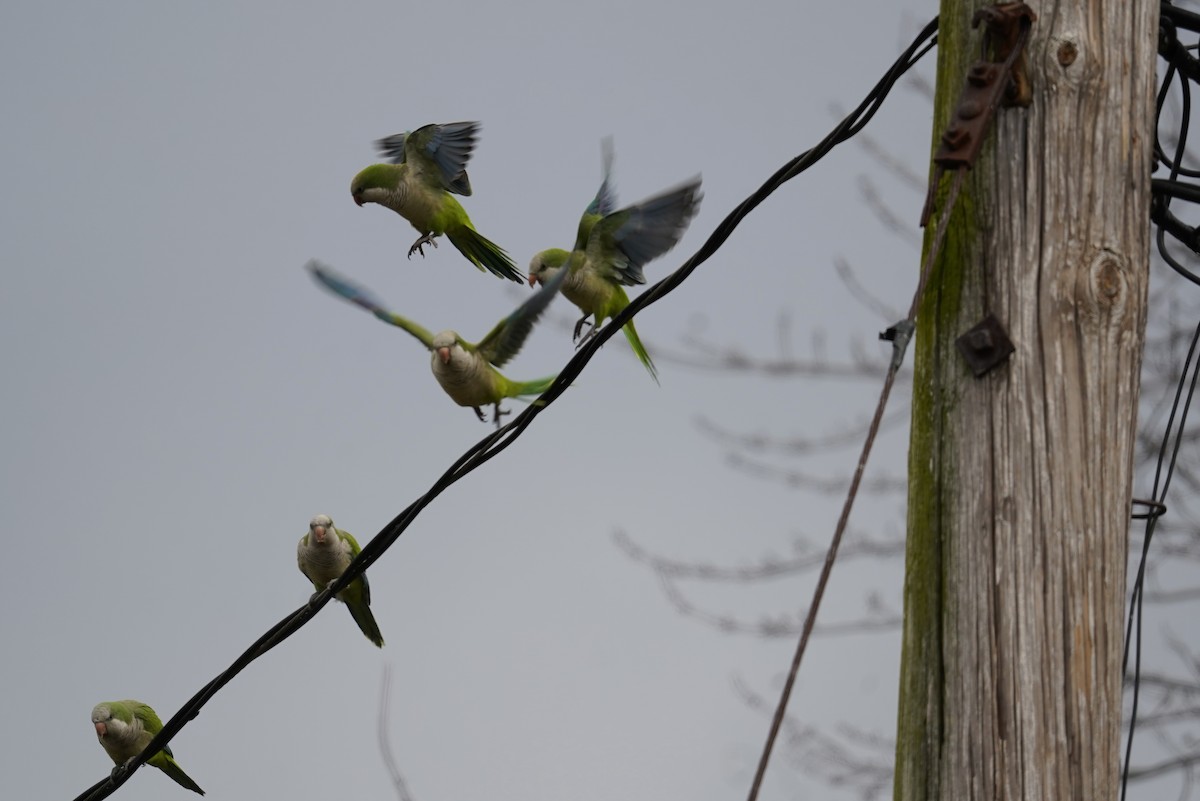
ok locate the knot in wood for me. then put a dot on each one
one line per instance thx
(1108, 278)
(1107, 281)
(1067, 62)
(1067, 53)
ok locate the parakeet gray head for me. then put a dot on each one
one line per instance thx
(544, 265)
(101, 714)
(321, 527)
(445, 345)
(103, 720)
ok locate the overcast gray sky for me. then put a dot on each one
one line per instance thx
(179, 398)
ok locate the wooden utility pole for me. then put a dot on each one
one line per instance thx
(1020, 490)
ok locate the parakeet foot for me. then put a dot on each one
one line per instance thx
(589, 335)
(579, 327)
(316, 596)
(418, 246)
(498, 413)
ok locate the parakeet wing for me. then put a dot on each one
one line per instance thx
(147, 716)
(353, 543)
(360, 296)
(605, 201)
(627, 239)
(445, 147)
(392, 147)
(505, 340)
(354, 552)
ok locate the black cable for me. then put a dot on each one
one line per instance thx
(1136, 597)
(1182, 65)
(1180, 17)
(493, 444)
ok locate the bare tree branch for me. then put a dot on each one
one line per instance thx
(892, 222)
(858, 546)
(857, 761)
(878, 617)
(885, 311)
(897, 168)
(385, 745)
(1176, 763)
(796, 479)
(831, 438)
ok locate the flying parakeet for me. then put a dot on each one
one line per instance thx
(610, 249)
(424, 167)
(125, 728)
(323, 554)
(466, 371)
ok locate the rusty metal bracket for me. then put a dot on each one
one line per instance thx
(988, 83)
(985, 346)
(1005, 24)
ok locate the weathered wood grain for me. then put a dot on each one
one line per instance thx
(1021, 481)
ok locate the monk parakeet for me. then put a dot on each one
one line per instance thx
(466, 371)
(424, 167)
(125, 728)
(323, 554)
(610, 249)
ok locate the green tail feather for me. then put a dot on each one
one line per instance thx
(536, 387)
(366, 621)
(484, 253)
(636, 343)
(169, 766)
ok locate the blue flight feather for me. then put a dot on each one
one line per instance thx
(346, 289)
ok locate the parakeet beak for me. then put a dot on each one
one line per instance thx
(533, 281)
(319, 532)
(357, 198)
(444, 355)
(101, 729)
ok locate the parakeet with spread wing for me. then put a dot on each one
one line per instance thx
(466, 371)
(610, 249)
(425, 167)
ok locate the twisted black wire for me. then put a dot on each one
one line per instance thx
(1180, 64)
(495, 443)
(1136, 598)
(1183, 66)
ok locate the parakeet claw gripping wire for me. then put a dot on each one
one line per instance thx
(495, 443)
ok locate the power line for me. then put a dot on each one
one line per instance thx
(1182, 68)
(958, 154)
(495, 443)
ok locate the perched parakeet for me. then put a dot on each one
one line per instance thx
(424, 168)
(466, 371)
(610, 249)
(323, 554)
(125, 728)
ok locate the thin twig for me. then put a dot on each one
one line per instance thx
(496, 442)
(385, 740)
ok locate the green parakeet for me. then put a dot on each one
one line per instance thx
(125, 728)
(610, 249)
(467, 372)
(323, 554)
(424, 168)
